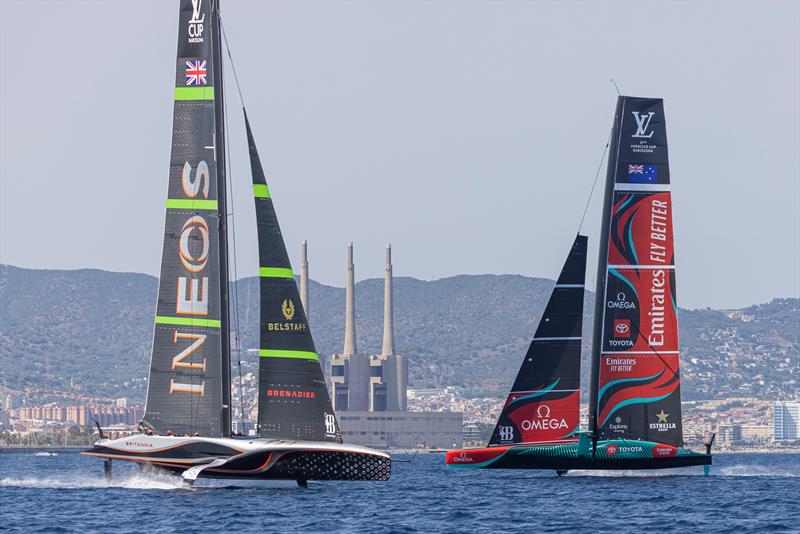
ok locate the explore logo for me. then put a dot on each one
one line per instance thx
(618, 426)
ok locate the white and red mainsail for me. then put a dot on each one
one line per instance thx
(635, 390)
(544, 403)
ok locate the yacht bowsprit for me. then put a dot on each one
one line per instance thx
(634, 395)
(187, 423)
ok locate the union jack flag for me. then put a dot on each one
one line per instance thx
(196, 72)
(635, 169)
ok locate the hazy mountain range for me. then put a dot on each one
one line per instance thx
(95, 328)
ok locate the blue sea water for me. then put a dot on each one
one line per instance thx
(68, 493)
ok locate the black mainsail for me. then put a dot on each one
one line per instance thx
(544, 403)
(188, 375)
(293, 401)
(635, 391)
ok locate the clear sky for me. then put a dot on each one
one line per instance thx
(466, 133)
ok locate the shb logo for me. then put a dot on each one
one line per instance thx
(506, 433)
(287, 308)
(330, 424)
(642, 124)
(196, 22)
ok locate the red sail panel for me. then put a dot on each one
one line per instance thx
(554, 418)
(641, 229)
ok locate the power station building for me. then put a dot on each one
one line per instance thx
(363, 382)
(369, 390)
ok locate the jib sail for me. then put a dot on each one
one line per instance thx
(635, 390)
(293, 401)
(544, 403)
(186, 386)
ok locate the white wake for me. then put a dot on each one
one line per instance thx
(147, 481)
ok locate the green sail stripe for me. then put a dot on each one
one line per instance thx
(279, 353)
(187, 321)
(191, 204)
(261, 191)
(194, 93)
(275, 272)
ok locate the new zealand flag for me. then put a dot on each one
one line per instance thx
(642, 174)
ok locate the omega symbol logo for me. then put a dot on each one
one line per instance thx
(543, 411)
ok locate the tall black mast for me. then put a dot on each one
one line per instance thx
(219, 142)
(602, 260)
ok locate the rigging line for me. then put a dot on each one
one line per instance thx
(235, 263)
(616, 87)
(230, 58)
(594, 184)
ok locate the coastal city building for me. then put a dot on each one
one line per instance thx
(5, 421)
(402, 430)
(786, 421)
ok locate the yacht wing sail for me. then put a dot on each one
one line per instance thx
(636, 381)
(185, 389)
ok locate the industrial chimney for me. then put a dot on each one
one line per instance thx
(350, 306)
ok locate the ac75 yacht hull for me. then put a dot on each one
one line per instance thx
(610, 454)
(255, 459)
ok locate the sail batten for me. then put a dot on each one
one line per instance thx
(635, 391)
